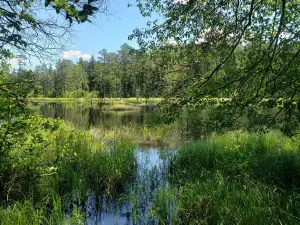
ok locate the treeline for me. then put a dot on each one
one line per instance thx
(131, 72)
(126, 73)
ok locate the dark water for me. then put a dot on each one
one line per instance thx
(192, 123)
(85, 115)
(135, 204)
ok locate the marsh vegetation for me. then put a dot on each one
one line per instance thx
(197, 124)
(122, 171)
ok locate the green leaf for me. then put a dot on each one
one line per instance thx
(83, 17)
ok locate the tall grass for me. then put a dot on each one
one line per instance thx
(166, 206)
(83, 162)
(239, 178)
(158, 136)
(26, 213)
(65, 162)
(235, 178)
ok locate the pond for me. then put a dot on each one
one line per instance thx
(194, 123)
(135, 204)
(87, 116)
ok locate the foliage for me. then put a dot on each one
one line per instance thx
(29, 31)
(25, 32)
(126, 73)
(244, 50)
(26, 213)
(12, 126)
(238, 178)
(53, 158)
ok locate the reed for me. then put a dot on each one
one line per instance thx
(238, 178)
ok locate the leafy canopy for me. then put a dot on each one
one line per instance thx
(35, 27)
(30, 28)
(246, 49)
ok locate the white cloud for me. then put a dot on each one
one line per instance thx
(86, 56)
(75, 54)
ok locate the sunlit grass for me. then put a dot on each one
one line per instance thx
(26, 213)
(65, 161)
(238, 178)
(89, 162)
(233, 178)
(109, 100)
(120, 107)
(158, 136)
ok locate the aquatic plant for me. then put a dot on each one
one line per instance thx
(238, 178)
(58, 159)
(28, 213)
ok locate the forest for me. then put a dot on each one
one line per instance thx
(126, 73)
(199, 124)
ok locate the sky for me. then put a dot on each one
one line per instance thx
(107, 32)
(110, 32)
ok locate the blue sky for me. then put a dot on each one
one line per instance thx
(109, 32)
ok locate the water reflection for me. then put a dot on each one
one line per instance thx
(90, 115)
(193, 123)
(134, 205)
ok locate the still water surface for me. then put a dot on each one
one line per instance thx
(192, 124)
(88, 116)
(135, 204)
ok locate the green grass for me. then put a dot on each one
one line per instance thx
(25, 213)
(166, 207)
(279, 102)
(57, 159)
(120, 107)
(234, 178)
(161, 136)
(44, 99)
(110, 104)
(86, 162)
(134, 101)
(238, 178)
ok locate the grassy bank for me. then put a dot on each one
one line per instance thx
(26, 213)
(54, 161)
(273, 102)
(162, 136)
(119, 106)
(107, 104)
(134, 101)
(232, 178)
(235, 178)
